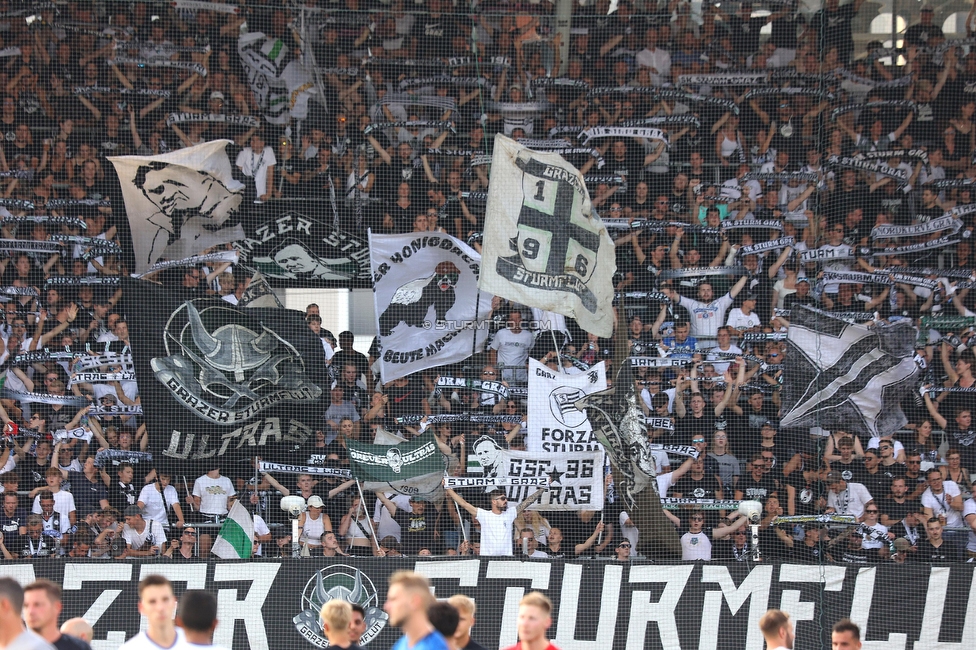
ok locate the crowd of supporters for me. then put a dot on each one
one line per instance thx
(785, 147)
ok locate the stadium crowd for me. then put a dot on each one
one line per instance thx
(751, 140)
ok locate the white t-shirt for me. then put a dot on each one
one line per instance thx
(64, 503)
(713, 358)
(154, 508)
(830, 264)
(630, 533)
(260, 528)
(738, 320)
(214, 494)
(513, 349)
(255, 165)
(969, 508)
(706, 318)
(153, 533)
(941, 503)
(496, 531)
(142, 641)
(867, 542)
(850, 501)
(696, 546)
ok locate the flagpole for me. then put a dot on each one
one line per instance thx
(369, 520)
(555, 345)
(457, 508)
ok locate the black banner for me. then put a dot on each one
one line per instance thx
(291, 249)
(597, 604)
(221, 381)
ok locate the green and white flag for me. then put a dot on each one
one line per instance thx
(236, 538)
(415, 467)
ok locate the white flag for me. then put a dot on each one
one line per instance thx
(544, 245)
(281, 83)
(180, 203)
(555, 425)
(429, 311)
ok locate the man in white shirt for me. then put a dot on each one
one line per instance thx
(845, 498)
(142, 538)
(724, 340)
(496, 524)
(529, 545)
(706, 313)
(942, 499)
(157, 603)
(257, 163)
(211, 500)
(510, 348)
(657, 59)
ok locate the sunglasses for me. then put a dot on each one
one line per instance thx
(500, 499)
(490, 373)
(191, 533)
(696, 441)
(872, 512)
(624, 546)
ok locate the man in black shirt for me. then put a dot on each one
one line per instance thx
(42, 607)
(937, 548)
(87, 488)
(416, 529)
(121, 492)
(756, 485)
(347, 355)
(12, 519)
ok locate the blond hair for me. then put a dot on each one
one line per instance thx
(773, 621)
(337, 614)
(463, 603)
(414, 582)
(537, 599)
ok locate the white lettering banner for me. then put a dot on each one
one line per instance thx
(554, 424)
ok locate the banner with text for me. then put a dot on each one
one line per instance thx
(554, 422)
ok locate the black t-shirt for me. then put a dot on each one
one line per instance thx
(32, 474)
(897, 511)
(35, 548)
(808, 493)
(704, 488)
(416, 532)
(689, 426)
(947, 552)
(67, 642)
(87, 494)
(122, 495)
(473, 645)
(816, 554)
(754, 490)
(10, 527)
(434, 34)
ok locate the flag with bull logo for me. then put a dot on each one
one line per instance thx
(544, 244)
(429, 311)
(555, 424)
(840, 375)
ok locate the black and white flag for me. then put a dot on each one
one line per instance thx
(429, 310)
(220, 382)
(846, 376)
(544, 245)
(554, 424)
(180, 203)
(280, 81)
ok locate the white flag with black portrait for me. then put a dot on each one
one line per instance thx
(180, 203)
(555, 425)
(544, 245)
(429, 310)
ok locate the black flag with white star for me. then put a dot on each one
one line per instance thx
(842, 376)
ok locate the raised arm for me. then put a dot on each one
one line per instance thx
(458, 499)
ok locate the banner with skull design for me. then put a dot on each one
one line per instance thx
(220, 383)
(555, 425)
(429, 311)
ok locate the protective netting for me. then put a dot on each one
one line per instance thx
(241, 263)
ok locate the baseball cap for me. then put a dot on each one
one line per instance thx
(769, 423)
(315, 501)
(927, 8)
(416, 498)
(803, 279)
(834, 477)
(902, 544)
(132, 511)
(217, 95)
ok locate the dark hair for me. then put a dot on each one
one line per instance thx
(847, 625)
(356, 607)
(494, 494)
(154, 580)
(11, 591)
(444, 617)
(197, 611)
(52, 590)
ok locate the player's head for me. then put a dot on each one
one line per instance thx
(777, 629)
(197, 611)
(534, 617)
(11, 599)
(78, 628)
(407, 597)
(336, 617)
(42, 605)
(444, 617)
(157, 602)
(846, 635)
(357, 625)
(466, 609)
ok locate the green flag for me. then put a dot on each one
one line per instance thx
(412, 467)
(236, 538)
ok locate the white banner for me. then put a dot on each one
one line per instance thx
(554, 423)
(429, 310)
(180, 203)
(544, 245)
(281, 86)
(575, 480)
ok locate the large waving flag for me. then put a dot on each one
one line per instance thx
(180, 203)
(846, 376)
(236, 538)
(415, 467)
(544, 245)
(429, 311)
